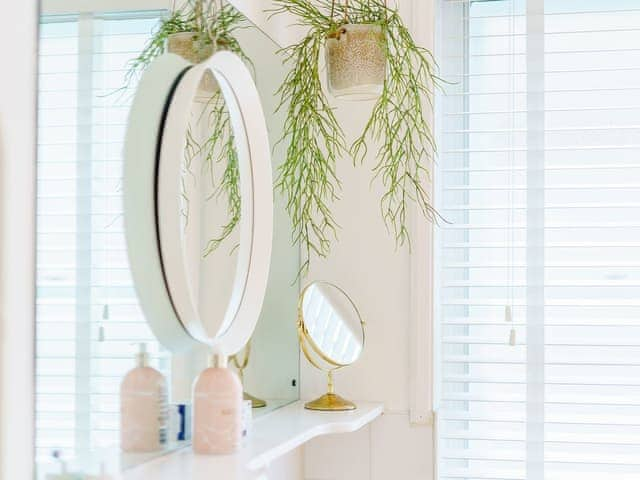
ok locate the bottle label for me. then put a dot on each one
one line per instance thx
(217, 422)
(163, 414)
(144, 418)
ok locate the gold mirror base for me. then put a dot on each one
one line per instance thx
(255, 402)
(330, 402)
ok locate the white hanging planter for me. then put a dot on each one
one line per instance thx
(195, 49)
(356, 62)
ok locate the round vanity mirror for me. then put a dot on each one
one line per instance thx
(213, 280)
(331, 333)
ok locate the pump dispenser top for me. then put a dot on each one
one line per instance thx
(142, 357)
(217, 358)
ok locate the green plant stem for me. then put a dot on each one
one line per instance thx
(220, 149)
(398, 125)
(307, 177)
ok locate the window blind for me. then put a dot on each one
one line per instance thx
(88, 318)
(539, 174)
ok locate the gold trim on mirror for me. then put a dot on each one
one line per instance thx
(316, 356)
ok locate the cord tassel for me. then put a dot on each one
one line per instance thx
(508, 317)
(105, 316)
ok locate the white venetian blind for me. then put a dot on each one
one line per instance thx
(88, 316)
(539, 173)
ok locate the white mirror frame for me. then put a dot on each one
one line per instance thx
(256, 220)
(144, 127)
(155, 133)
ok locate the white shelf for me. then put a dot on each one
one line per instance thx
(273, 436)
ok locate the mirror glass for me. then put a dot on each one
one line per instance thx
(89, 319)
(209, 203)
(208, 209)
(332, 323)
(200, 197)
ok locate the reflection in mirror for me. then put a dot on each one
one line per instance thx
(89, 321)
(240, 361)
(331, 334)
(199, 215)
(332, 323)
(211, 259)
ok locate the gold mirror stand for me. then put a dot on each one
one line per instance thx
(330, 402)
(240, 366)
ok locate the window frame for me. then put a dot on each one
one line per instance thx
(422, 263)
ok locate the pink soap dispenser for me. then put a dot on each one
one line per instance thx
(143, 407)
(217, 409)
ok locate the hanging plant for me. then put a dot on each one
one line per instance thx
(370, 54)
(196, 31)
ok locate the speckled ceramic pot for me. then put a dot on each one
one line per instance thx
(190, 46)
(194, 49)
(356, 62)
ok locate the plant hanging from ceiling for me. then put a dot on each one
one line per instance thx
(195, 31)
(369, 54)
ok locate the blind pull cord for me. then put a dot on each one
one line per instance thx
(508, 317)
(105, 316)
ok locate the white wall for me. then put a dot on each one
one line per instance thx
(17, 196)
(367, 265)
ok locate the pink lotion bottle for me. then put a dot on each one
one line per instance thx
(143, 407)
(217, 409)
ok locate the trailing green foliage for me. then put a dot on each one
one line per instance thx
(220, 148)
(398, 125)
(308, 177)
(213, 23)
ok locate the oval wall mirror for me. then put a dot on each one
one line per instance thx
(217, 288)
(331, 333)
(215, 294)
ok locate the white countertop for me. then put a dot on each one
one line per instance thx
(272, 436)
